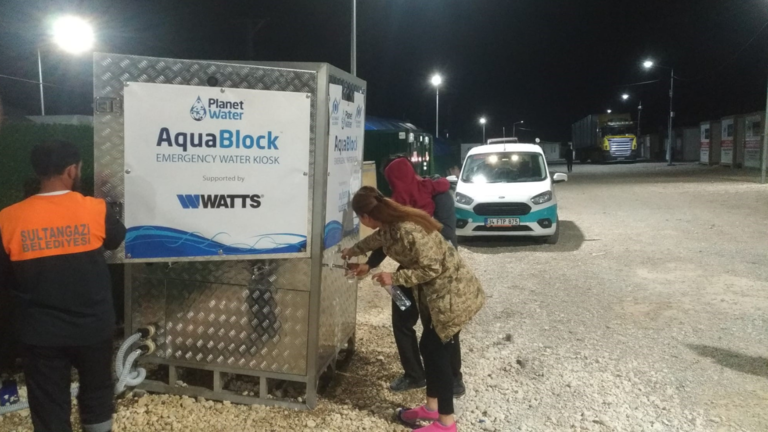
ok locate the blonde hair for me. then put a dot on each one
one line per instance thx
(370, 202)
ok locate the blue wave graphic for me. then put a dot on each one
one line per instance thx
(164, 242)
(333, 234)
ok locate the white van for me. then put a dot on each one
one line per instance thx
(506, 190)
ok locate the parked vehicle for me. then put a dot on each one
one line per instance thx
(507, 190)
(605, 138)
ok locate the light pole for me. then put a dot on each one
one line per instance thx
(648, 64)
(353, 48)
(764, 159)
(73, 35)
(514, 128)
(436, 81)
(482, 122)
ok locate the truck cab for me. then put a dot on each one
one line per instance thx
(605, 138)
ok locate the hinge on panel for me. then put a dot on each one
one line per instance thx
(108, 105)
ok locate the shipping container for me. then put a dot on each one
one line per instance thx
(385, 139)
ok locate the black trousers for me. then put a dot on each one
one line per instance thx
(437, 364)
(48, 373)
(570, 165)
(403, 326)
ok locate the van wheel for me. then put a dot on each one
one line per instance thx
(554, 237)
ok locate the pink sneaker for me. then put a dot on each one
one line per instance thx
(411, 416)
(438, 427)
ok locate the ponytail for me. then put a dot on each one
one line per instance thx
(369, 201)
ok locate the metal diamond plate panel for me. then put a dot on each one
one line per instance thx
(255, 326)
(338, 307)
(112, 71)
(292, 274)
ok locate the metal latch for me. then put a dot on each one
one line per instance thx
(108, 105)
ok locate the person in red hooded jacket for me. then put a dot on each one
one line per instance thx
(433, 197)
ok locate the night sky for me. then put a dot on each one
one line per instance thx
(548, 62)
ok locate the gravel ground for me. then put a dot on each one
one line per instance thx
(649, 315)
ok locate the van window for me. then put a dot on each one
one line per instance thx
(504, 167)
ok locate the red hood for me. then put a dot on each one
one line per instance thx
(411, 190)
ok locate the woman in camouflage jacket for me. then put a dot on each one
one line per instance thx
(447, 293)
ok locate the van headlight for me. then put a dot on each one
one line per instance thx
(542, 198)
(463, 199)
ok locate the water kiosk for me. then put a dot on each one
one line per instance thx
(705, 151)
(727, 140)
(753, 139)
(234, 181)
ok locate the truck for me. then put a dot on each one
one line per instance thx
(603, 138)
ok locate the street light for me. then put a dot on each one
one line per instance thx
(648, 64)
(609, 111)
(482, 122)
(436, 81)
(514, 128)
(625, 96)
(73, 35)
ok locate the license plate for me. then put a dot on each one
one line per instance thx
(501, 222)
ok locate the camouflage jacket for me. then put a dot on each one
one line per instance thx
(444, 286)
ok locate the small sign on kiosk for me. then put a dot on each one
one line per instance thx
(727, 141)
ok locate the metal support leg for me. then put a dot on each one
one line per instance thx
(172, 377)
(263, 388)
(216, 381)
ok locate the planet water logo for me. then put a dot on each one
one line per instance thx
(198, 111)
(335, 105)
(217, 109)
(359, 117)
(346, 119)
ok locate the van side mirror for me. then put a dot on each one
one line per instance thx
(452, 179)
(559, 178)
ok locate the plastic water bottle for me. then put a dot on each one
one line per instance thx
(398, 297)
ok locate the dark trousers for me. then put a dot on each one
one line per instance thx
(570, 165)
(48, 374)
(437, 364)
(403, 323)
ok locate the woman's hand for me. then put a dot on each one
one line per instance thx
(359, 270)
(346, 253)
(384, 279)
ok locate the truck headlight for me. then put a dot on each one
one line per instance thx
(463, 199)
(542, 198)
(606, 144)
(634, 143)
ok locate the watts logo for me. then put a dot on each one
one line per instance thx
(217, 110)
(219, 201)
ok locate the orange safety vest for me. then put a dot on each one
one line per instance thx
(45, 226)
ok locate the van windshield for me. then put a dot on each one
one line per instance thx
(504, 167)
